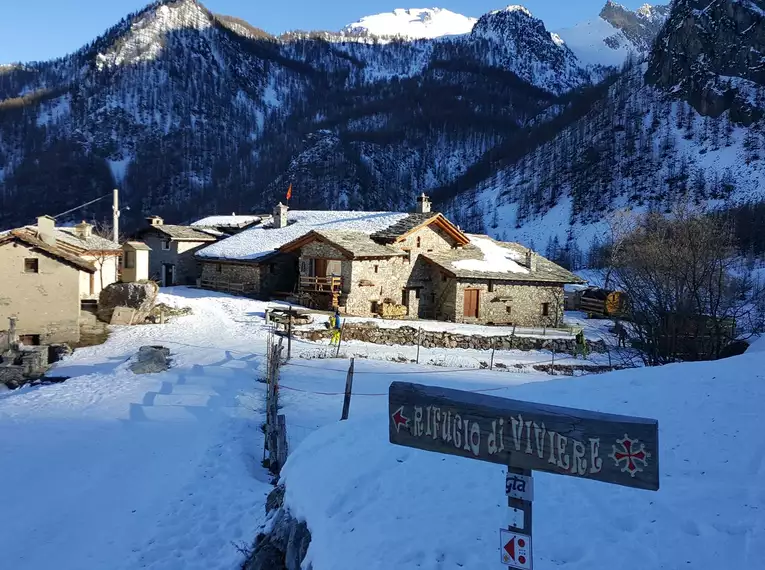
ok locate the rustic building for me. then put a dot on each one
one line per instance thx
(416, 265)
(41, 287)
(172, 260)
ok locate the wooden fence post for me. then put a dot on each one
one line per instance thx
(552, 366)
(289, 333)
(281, 440)
(419, 336)
(348, 390)
(493, 348)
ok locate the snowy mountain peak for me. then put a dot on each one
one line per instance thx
(142, 36)
(412, 23)
(616, 34)
(517, 8)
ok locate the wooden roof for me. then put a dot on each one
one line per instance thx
(51, 250)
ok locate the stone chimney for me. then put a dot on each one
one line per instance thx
(280, 216)
(155, 221)
(531, 260)
(46, 229)
(423, 204)
(83, 230)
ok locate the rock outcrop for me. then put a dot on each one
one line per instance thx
(710, 52)
(138, 296)
(151, 359)
(284, 547)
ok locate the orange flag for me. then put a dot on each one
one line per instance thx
(289, 193)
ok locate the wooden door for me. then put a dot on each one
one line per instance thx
(320, 268)
(470, 306)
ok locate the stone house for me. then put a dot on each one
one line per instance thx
(172, 260)
(42, 286)
(416, 265)
(250, 262)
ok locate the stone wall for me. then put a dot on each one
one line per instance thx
(223, 274)
(513, 304)
(374, 281)
(430, 239)
(407, 336)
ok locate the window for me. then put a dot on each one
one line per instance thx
(129, 260)
(491, 286)
(377, 268)
(218, 268)
(444, 277)
(508, 310)
(31, 265)
(545, 309)
(419, 241)
(416, 293)
(272, 268)
(30, 339)
(374, 308)
(166, 244)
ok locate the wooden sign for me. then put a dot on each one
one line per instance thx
(623, 450)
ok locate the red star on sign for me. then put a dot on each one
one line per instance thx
(635, 458)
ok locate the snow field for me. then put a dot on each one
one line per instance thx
(373, 505)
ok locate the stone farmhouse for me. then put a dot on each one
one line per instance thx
(388, 264)
(172, 260)
(48, 272)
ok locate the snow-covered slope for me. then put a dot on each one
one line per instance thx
(615, 34)
(396, 507)
(412, 23)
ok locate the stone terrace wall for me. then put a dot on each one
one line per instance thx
(370, 332)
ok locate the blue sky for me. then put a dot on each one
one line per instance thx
(44, 29)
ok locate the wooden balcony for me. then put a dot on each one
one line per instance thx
(321, 284)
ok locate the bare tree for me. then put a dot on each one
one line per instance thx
(689, 294)
(105, 230)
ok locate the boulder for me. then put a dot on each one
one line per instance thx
(151, 359)
(137, 296)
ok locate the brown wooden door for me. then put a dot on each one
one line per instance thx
(470, 306)
(321, 268)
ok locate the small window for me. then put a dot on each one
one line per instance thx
(377, 268)
(508, 310)
(444, 277)
(272, 268)
(30, 339)
(166, 244)
(545, 309)
(374, 308)
(31, 265)
(419, 241)
(416, 293)
(129, 260)
(218, 268)
(491, 286)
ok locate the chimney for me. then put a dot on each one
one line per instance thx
(83, 230)
(531, 260)
(46, 229)
(155, 221)
(280, 216)
(423, 204)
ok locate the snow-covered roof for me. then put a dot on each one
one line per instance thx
(262, 241)
(232, 221)
(496, 258)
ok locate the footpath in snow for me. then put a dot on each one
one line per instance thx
(110, 470)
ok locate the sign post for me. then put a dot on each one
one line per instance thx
(525, 437)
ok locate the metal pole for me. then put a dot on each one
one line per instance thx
(116, 216)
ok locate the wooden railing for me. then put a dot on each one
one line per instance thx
(329, 284)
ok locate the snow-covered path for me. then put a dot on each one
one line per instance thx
(113, 470)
